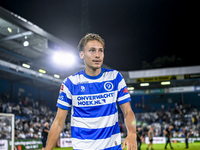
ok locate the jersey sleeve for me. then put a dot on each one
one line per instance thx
(123, 95)
(65, 97)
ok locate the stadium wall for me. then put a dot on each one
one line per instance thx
(146, 103)
(14, 90)
(25, 90)
(4, 86)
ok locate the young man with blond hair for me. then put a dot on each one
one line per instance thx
(92, 95)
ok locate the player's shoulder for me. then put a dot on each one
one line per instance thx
(112, 74)
(110, 71)
(73, 77)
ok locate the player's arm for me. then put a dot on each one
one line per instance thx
(188, 134)
(141, 136)
(165, 132)
(149, 134)
(171, 135)
(46, 130)
(130, 122)
(56, 128)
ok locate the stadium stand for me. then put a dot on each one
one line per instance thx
(30, 118)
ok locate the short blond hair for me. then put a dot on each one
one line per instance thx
(90, 37)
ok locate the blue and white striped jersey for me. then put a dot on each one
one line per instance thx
(93, 102)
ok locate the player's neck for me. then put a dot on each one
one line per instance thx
(92, 72)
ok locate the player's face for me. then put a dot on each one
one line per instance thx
(93, 55)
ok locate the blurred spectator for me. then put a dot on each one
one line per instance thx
(21, 135)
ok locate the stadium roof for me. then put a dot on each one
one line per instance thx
(15, 30)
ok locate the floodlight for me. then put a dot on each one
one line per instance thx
(144, 84)
(42, 71)
(26, 43)
(26, 65)
(56, 76)
(131, 88)
(9, 29)
(165, 83)
(64, 58)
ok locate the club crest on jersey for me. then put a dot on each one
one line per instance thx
(108, 86)
(82, 89)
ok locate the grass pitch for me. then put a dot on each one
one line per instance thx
(176, 146)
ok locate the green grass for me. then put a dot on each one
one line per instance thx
(176, 146)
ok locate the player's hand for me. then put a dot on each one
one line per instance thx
(130, 141)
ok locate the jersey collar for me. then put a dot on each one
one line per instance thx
(93, 77)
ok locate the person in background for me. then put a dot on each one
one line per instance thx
(150, 135)
(45, 132)
(168, 135)
(186, 133)
(139, 138)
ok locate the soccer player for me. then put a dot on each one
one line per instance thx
(168, 135)
(92, 95)
(139, 138)
(150, 135)
(186, 134)
(45, 132)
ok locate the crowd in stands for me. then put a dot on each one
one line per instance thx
(179, 116)
(30, 117)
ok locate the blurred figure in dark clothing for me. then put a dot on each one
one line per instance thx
(186, 133)
(168, 135)
(139, 137)
(45, 132)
